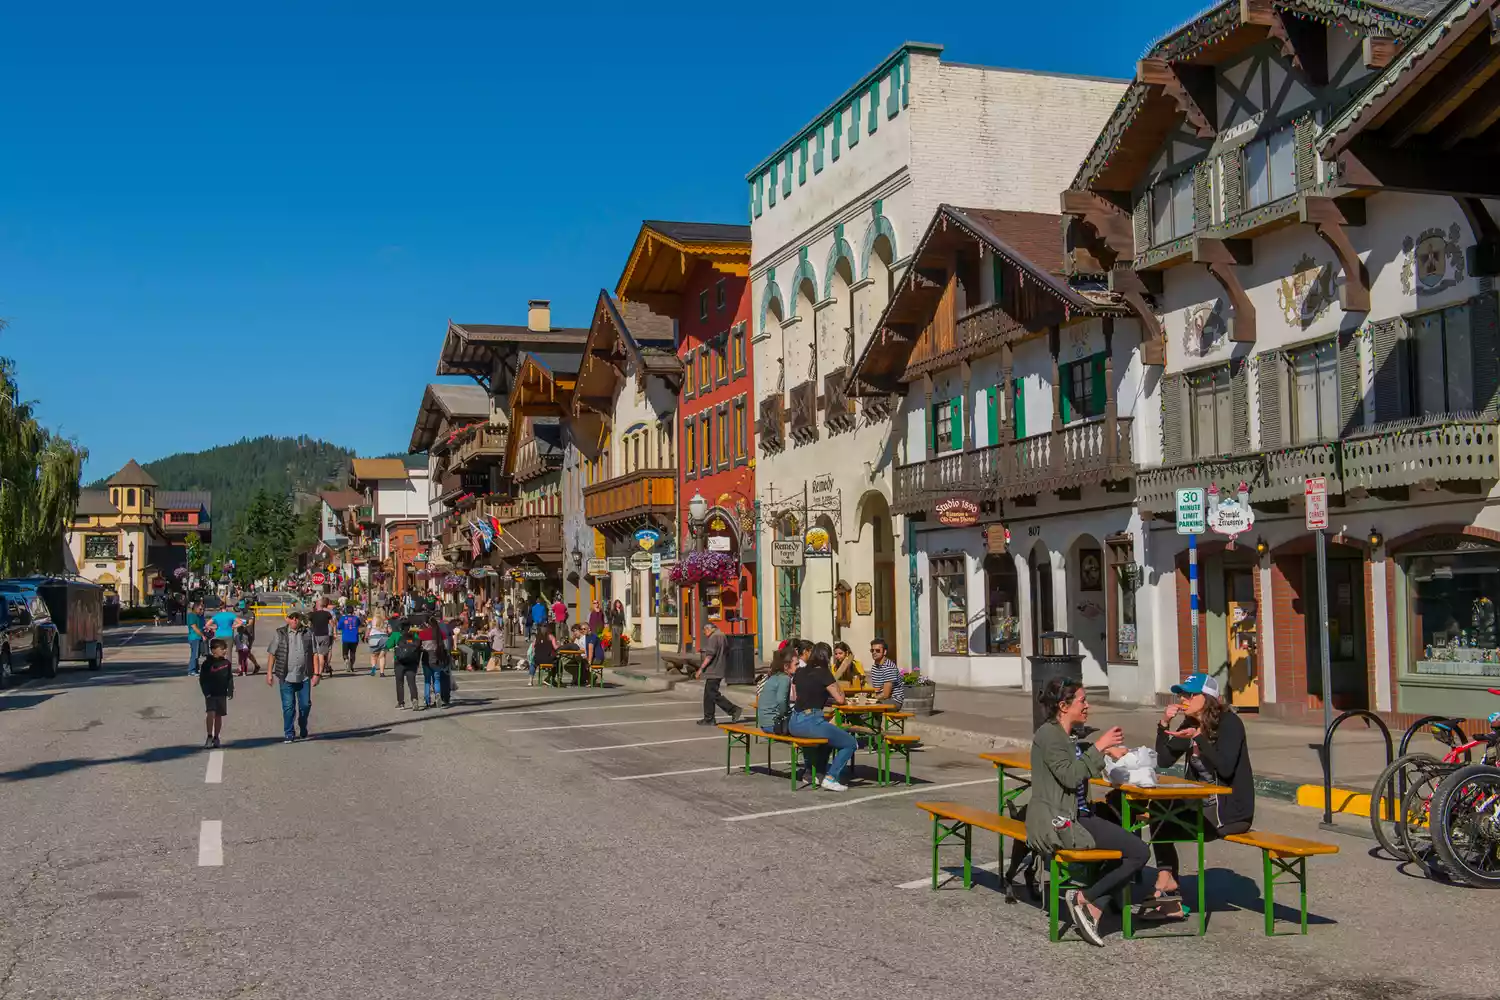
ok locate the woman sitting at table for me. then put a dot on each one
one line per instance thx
(815, 689)
(1059, 816)
(846, 669)
(773, 698)
(1213, 741)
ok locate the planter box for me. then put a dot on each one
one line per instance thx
(919, 698)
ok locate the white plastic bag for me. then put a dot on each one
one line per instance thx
(1137, 767)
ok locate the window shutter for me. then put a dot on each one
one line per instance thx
(1233, 165)
(1173, 390)
(932, 415)
(997, 266)
(1270, 379)
(1351, 392)
(1484, 335)
(1097, 390)
(956, 414)
(1305, 132)
(1239, 405)
(992, 414)
(1384, 337)
(1020, 404)
(1143, 224)
(1065, 376)
(1203, 210)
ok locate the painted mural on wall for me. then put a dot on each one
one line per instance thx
(1205, 329)
(1306, 295)
(1432, 261)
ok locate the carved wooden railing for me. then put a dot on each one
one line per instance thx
(1288, 469)
(1442, 449)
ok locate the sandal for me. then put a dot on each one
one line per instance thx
(1162, 906)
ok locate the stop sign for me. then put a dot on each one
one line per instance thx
(317, 579)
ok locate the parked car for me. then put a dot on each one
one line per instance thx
(28, 639)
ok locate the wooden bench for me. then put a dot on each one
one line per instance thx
(961, 821)
(897, 743)
(743, 735)
(1285, 856)
(897, 720)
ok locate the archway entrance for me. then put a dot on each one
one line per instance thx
(788, 584)
(875, 515)
(1043, 613)
(1087, 619)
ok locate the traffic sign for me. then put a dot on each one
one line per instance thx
(317, 579)
(1190, 520)
(1315, 497)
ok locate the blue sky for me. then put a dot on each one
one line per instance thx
(225, 220)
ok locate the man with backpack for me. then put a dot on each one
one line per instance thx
(406, 651)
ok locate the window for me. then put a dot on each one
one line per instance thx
(1083, 388)
(114, 497)
(687, 383)
(721, 295)
(703, 304)
(1210, 413)
(1440, 364)
(181, 517)
(1123, 579)
(1271, 167)
(705, 376)
(706, 429)
(950, 605)
(737, 348)
(741, 429)
(1003, 604)
(945, 426)
(724, 436)
(1451, 612)
(689, 446)
(721, 362)
(101, 547)
(1172, 208)
(130, 498)
(1313, 384)
(146, 497)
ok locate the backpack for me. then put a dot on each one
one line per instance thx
(408, 649)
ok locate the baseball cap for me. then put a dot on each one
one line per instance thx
(1198, 684)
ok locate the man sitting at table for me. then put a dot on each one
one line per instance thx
(884, 675)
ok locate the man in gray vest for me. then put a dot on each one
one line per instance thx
(293, 666)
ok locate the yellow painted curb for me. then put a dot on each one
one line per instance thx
(1345, 802)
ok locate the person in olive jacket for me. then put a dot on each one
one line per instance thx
(1212, 738)
(1059, 816)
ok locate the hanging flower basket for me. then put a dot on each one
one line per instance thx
(454, 584)
(705, 567)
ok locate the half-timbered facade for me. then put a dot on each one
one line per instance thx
(1303, 321)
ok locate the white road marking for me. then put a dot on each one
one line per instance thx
(631, 746)
(917, 790)
(597, 708)
(215, 773)
(691, 770)
(211, 844)
(926, 880)
(601, 725)
(126, 641)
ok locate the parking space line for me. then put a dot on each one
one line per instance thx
(602, 725)
(631, 746)
(691, 770)
(211, 843)
(926, 880)
(215, 773)
(596, 708)
(917, 790)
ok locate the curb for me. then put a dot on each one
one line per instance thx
(637, 680)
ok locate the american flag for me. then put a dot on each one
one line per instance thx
(474, 537)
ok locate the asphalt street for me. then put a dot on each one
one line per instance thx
(542, 843)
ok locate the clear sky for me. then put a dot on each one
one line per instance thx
(224, 220)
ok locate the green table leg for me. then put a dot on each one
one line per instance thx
(728, 753)
(747, 741)
(937, 839)
(1054, 891)
(1301, 864)
(968, 856)
(1202, 875)
(1270, 878)
(1127, 914)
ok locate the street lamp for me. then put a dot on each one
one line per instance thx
(697, 514)
(132, 575)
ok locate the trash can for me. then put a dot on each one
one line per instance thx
(739, 659)
(1057, 658)
(111, 614)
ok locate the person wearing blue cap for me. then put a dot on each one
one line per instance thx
(1212, 739)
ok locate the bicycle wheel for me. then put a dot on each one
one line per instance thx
(1466, 825)
(1388, 799)
(1414, 824)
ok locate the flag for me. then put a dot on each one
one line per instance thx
(474, 537)
(495, 524)
(487, 533)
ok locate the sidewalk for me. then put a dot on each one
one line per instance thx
(1285, 755)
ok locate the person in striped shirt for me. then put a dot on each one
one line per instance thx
(883, 675)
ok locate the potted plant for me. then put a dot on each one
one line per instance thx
(919, 692)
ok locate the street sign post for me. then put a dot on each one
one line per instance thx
(1191, 522)
(1315, 500)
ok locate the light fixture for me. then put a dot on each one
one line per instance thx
(1261, 548)
(1376, 538)
(916, 586)
(697, 509)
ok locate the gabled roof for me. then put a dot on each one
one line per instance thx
(95, 503)
(371, 469)
(185, 500)
(470, 348)
(660, 262)
(342, 499)
(539, 391)
(443, 402)
(131, 475)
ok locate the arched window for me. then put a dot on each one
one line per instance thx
(114, 497)
(130, 498)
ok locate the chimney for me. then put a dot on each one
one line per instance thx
(539, 315)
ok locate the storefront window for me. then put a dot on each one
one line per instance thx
(1453, 598)
(950, 605)
(667, 606)
(1123, 580)
(1002, 602)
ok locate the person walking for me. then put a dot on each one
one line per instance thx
(292, 664)
(349, 626)
(217, 684)
(379, 632)
(321, 621)
(559, 614)
(596, 618)
(711, 669)
(405, 645)
(538, 616)
(195, 636)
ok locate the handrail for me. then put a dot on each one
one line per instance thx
(1328, 752)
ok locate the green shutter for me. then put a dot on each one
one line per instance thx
(771, 189)
(992, 414)
(1065, 377)
(802, 163)
(932, 412)
(873, 122)
(956, 415)
(893, 102)
(1020, 404)
(998, 267)
(854, 122)
(818, 152)
(786, 176)
(838, 134)
(1097, 390)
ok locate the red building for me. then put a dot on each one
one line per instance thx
(697, 273)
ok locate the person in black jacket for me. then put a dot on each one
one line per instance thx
(216, 679)
(1212, 739)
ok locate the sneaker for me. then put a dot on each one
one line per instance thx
(288, 739)
(834, 786)
(734, 715)
(208, 741)
(216, 743)
(1088, 927)
(706, 722)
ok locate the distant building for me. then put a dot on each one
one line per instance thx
(116, 537)
(399, 500)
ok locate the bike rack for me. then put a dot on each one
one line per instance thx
(1333, 726)
(1411, 731)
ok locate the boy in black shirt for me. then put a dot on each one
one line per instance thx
(216, 678)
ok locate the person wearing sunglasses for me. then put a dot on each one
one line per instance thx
(883, 675)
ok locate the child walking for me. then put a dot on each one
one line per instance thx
(216, 678)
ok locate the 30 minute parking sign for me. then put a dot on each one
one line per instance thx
(1190, 519)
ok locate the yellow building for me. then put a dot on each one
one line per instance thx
(113, 533)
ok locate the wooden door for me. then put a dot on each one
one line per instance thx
(1241, 636)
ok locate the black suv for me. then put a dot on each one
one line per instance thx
(27, 636)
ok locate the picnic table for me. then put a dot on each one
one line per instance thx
(878, 716)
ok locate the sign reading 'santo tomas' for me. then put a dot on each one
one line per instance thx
(956, 512)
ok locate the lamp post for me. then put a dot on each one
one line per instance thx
(132, 575)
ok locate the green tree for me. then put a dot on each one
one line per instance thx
(39, 475)
(197, 552)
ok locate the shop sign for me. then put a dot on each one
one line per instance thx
(647, 538)
(478, 573)
(533, 574)
(864, 599)
(822, 485)
(957, 512)
(996, 539)
(718, 543)
(640, 560)
(669, 559)
(598, 567)
(1230, 515)
(819, 543)
(617, 564)
(786, 552)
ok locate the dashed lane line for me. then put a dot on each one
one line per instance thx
(632, 746)
(601, 725)
(857, 800)
(211, 843)
(926, 880)
(215, 773)
(691, 770)
(598, 708)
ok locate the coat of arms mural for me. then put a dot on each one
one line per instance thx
(1307, 293)
(1432, 262)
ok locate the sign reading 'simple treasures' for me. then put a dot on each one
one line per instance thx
(1230, 515)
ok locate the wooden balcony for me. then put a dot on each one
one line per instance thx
(921, 484)
(538, 535)
(635, 496)
(534, 464)
(1156, 489)
(1426, 453)
(1289, 469)
(485, 446)
(803, 411)
(838, 409)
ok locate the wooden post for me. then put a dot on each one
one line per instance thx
(1055, 346)
(1111, 406)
